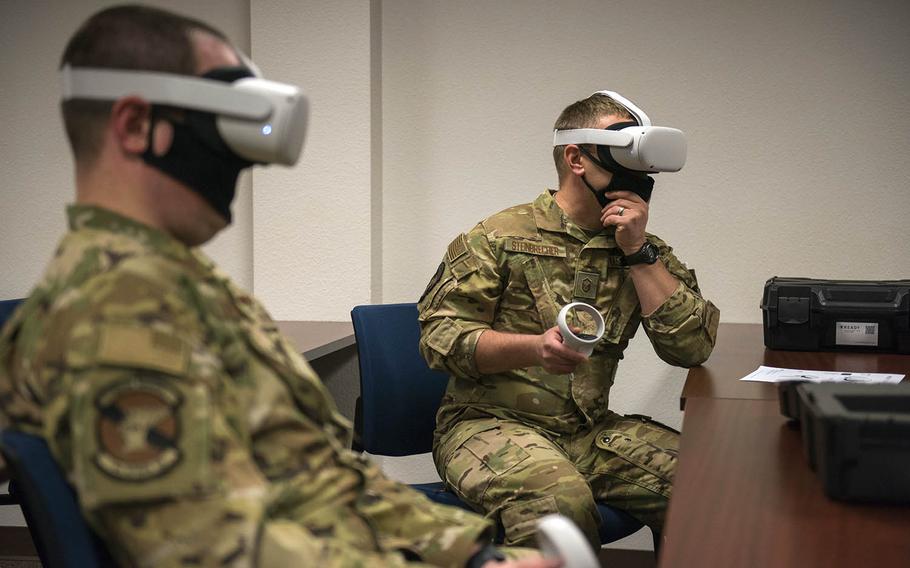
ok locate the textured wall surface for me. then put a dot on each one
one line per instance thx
(796, 118)
(36, 169)
(311, 244)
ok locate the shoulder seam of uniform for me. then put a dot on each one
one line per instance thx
(490, 222)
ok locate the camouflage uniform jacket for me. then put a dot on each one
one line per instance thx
(512, 273)
(193, 432)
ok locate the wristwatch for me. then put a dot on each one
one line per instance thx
(647, 254)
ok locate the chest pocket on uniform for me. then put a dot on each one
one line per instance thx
(528, 303)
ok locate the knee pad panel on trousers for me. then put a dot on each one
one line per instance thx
(525, 501)
(520, 520)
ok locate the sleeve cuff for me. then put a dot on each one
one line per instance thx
(674, 312)
(453, 344)
(462, 357)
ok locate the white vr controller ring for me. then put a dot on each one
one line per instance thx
(569, 338)
(557, 537)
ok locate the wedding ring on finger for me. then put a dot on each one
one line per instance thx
(621, 211)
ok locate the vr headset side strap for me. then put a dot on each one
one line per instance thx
(591, 136)
(164, 89)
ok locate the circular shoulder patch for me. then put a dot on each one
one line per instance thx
(137, 428)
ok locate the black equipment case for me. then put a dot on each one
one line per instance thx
(856, 437)
(807, 314)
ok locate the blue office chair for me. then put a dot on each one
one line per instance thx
(62, 537)
(399, 396)
(7, 307)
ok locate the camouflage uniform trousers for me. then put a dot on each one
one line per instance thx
(515, 473)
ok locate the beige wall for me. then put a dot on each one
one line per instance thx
(312, 223)
(796, 114)
(36, 168)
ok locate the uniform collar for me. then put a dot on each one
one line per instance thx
(549, 216)
(83, 217)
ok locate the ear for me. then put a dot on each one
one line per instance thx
(572, 156)
(130, 123)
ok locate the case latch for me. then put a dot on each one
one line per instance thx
(792, 310)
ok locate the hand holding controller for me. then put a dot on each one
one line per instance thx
(581, 339)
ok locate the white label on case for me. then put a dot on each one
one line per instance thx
(856, 333)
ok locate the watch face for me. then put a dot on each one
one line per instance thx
(647, 254)
(651, 253)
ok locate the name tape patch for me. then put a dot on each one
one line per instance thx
(143, 347)
(514, 245)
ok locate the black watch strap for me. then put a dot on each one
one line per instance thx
(484, 555)
(647, 254)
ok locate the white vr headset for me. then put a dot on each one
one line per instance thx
(261, 121)
(643, 148)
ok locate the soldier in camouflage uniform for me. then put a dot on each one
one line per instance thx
(524, 428)
(192, 431)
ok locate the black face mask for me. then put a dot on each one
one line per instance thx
(198, 156)
(624, 179)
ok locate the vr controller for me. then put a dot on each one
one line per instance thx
(581, 326)
(558, 537)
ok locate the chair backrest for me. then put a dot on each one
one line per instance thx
(7, 307)
(61, 535)
(399, 393)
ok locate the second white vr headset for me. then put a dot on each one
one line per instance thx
(641, 148)
(261, 121)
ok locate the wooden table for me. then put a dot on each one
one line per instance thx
(744, 494)
(740, 350)
(315, 339)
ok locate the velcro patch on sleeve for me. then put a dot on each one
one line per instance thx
(143, 347)
(442, 339)
(516, 245)
(457, 248)
(140, 438)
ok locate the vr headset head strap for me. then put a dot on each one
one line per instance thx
(181, 91)
(638, 114)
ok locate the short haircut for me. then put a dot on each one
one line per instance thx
(584, 114)
(124, 37)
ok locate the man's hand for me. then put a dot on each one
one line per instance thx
(629, 213)
(653, 282)
(554, 356)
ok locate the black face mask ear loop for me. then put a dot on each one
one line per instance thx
(154, 117)
(600, 196)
